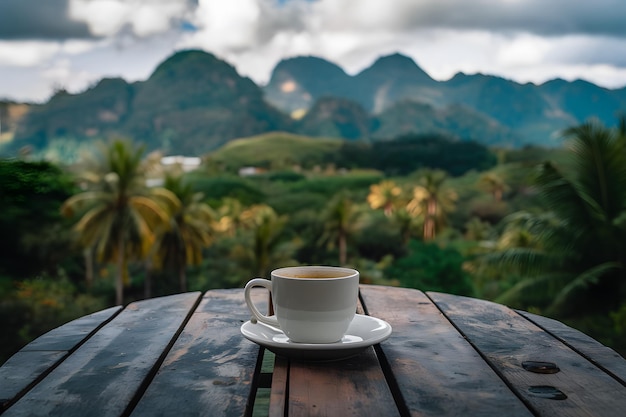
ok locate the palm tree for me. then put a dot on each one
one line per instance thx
(118, 213)
(432, 201)
(493, 184)
(229, 212)
(190, 230)
(580, 244)
(385, 195)
(477, 230)
(341, 220)
(408, 223)
(268, 247)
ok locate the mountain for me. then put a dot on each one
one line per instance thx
(100, 109)
(297, 83)
(194, 103)
(336, 118)
(515, 113)
(392, 79)
(456, 120)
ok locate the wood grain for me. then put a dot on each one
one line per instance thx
(596, 352)
(210, 368)
(351, 387)
(436, 371)
(354, 386)
(507, 339)
(105, 373)
(279, 392)
(35, 360)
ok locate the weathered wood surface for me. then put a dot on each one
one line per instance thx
(596, 352)
(436, 371)
(106, 373)
(40, 356)
(184, 355)
(507, 339)
(210, 368)
(352, 387)
(279, 394)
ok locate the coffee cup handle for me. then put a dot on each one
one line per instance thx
(256, 314)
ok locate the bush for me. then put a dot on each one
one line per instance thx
(428, 267)
(36, 306)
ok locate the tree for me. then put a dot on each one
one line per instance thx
(34, 234)
(432, 201)
(229, 212)
(118, 213)
(340, 219)
(268, 247)
(189, 231)
(493, 184)
(385, 195)
(580, 243)
(430, 268)
(407, 222)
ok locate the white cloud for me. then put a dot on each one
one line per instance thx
(77, 47)
(26, 53)
(523, 50)
(225, 25)
(524, 40)
(61, 74)
(144, 17)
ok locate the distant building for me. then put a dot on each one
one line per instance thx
(249, 171)
(172, 164)
(187, 163)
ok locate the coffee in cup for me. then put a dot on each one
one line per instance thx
(312, 304)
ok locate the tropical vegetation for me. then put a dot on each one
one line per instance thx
(540, 229)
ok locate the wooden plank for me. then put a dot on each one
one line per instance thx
(278, 393)
(108, 370)
(507, 339)
(350, 387)
(435, 370)
(210, 368)
(602, 356)
(22, 370)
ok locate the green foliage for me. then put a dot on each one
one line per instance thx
(285, 176)
(428, 267)
(575, 251)
(412, 152)
(35, 306)
(556, 241)
(118, 215)
(330, 185)
(294, 202)
(217, 188)
(276, 151)
(400, 156)
(403, 155)
(31, 225)
(379, 237)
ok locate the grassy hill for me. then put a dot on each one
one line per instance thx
(276, 150)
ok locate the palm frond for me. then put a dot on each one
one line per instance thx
(523, 260)
(581, 282)
(536, 292)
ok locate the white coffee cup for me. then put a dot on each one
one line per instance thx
(312, 304)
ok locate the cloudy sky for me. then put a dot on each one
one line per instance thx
(51, 44)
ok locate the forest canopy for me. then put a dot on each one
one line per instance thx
(537, 229)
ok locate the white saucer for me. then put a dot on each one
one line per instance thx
(364, 331)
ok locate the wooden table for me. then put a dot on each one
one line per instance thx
(184, 355)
